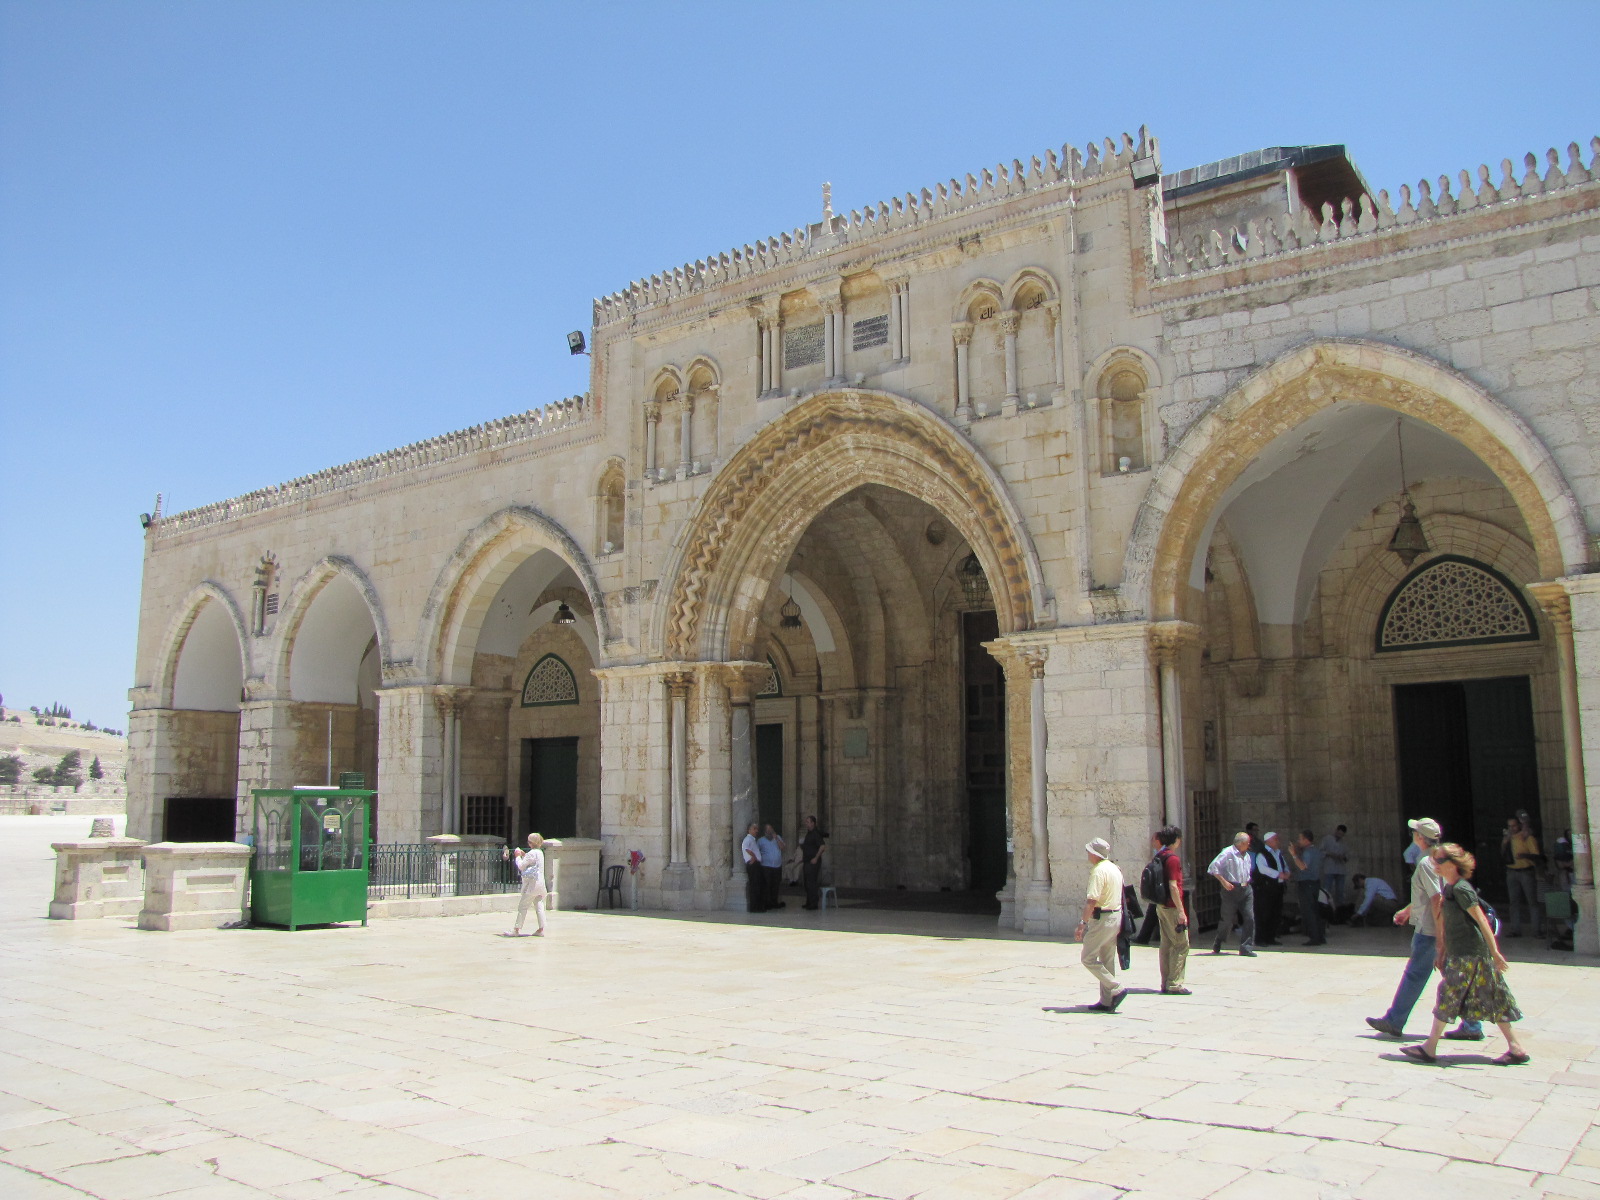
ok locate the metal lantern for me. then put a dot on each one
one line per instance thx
(974, 584)
(564, 615)
(1408, 542)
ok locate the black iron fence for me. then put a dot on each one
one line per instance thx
(397, 872)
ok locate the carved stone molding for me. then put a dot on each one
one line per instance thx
(1554, 599)
(962, 331)
(885, 442)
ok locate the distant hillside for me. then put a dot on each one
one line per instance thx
(43, 745)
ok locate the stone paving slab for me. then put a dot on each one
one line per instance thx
(827, 1056)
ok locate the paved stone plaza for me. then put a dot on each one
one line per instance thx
(848, 1054)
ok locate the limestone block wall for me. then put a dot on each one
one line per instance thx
(633, 772)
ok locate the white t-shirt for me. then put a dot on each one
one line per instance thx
(751, 851)
(531, 864)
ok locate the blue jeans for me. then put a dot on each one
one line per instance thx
(1418, 967)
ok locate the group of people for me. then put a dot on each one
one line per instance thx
(763, 852)
(1453, 933)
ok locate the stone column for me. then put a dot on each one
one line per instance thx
(897, 339)
(1557, 605)
(776, 326)
(451, 702)
(635, 752)
(741, 680)
(652, 423)
(1009, 323)
(1169, 640)
(1027, 760)
(830, 338)
(266, 752)
(962, 331)
(150, 748)
(677, 879)
(905, 319)
(411, 780)
(1052, 311)
(685, 433)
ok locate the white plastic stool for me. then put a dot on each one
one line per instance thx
(822, 897)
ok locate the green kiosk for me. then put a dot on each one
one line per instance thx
(310, 865)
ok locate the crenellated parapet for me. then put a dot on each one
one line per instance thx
(556, 417)
(1298, 233)
(1064, 170)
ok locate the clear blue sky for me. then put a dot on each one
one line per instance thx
(242, 241)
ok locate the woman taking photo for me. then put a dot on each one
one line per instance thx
(1471, 968)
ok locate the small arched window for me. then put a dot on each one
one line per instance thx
(612, 512)
(550, 682)
(1122, 418)
(1454, 601)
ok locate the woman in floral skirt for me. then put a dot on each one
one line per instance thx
(1471, 967)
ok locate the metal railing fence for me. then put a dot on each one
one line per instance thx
(399, 871)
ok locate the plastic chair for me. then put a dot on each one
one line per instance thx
(611, 886)
(822, 897)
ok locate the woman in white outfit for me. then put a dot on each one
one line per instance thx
(530, 863)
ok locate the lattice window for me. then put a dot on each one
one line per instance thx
(772, 685)
(1454, 602)
(550, 682)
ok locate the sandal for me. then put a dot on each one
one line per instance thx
(1512, 1058)
(1417, 1054)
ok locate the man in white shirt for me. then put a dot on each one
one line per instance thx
(755, 883)
(1377, 898)
(1232, 871)
(1102, 921)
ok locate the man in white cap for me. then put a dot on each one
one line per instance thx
(1102, 921)
(1272, 875)
(1423, 914)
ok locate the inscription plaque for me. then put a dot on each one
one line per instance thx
(1258, 782)
(874, 331)
(802, 346)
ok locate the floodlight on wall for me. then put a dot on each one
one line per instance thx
(576, 343)
(564, 615)
(1408, 542)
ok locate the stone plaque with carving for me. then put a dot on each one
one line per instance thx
(874, 331)
(1258, 782)
(802, 346)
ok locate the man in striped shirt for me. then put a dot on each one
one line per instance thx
(1231, 870)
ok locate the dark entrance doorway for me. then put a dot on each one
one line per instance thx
(769, 778)
(550, 787)
(199, 819)
(1467, 759)
(984, 713)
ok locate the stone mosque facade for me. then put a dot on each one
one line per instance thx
(1058, 502)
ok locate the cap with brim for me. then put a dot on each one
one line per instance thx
(1100, 848)
(1426, 826)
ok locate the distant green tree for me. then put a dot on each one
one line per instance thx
(68, 772)
(10, 769)
(45, 775)
(94, 769)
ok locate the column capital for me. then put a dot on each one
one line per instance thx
(679, 683)
(1556, 602)
(1052, 309)
(451, 698)
(1170, 639)
(1010, 322)
(962, 332)
(742, 678)
(1025, 660)
(652, 410)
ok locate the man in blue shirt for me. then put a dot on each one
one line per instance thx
(1307, 879)
(771, 848)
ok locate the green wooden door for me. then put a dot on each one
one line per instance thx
(549, 787)
(984, 705)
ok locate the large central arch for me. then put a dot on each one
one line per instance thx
(1219, 447)
(763, 500)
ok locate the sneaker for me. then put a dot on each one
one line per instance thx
(1458, 1034)
(1217, 949)
(1248, 953)
(1116, 1001)
(1382, 1025)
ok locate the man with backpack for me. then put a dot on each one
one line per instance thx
(1162, 884)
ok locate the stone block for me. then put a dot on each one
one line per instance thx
(102, 877)
(575, 868)
(194, 885)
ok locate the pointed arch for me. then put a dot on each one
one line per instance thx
(1219, 446)
(756, 509)
(206, 592)
(978, 289)
(1027, 280)
(292, 614)
(469, 580)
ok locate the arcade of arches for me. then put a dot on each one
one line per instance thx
(871, 641)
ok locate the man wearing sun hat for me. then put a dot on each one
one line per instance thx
(1422, 914)
(1102, 921)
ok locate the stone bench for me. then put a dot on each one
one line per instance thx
(194, 885)
(100, 877)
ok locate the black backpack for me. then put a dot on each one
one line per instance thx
(1153, 879)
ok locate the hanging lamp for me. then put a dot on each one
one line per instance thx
(564, 615)
(789, 614)
(1408, 542)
